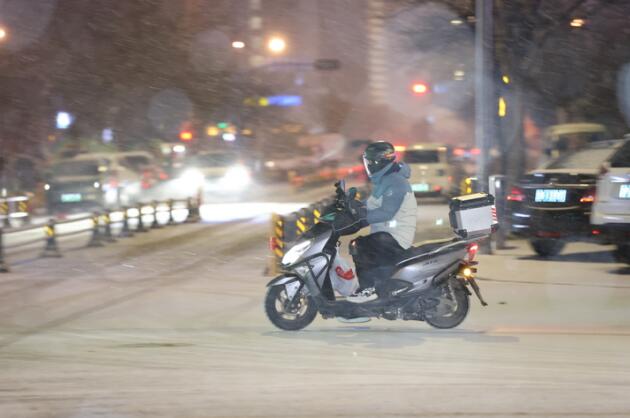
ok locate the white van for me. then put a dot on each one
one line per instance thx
(431, 173)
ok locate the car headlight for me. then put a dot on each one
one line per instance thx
(296, 252)
(270, 164)
(236, 177)
(193, 177)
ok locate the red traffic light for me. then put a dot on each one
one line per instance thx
(419, 88)
(186, 136)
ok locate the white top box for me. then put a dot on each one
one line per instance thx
(473, 215)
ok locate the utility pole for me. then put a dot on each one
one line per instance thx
(483, 87)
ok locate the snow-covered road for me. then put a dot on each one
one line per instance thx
(170, 324)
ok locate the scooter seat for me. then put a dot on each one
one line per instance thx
(423, 247)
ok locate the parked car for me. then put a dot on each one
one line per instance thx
(94, 180)
(431, 173)
(611, 209)
(552, 206)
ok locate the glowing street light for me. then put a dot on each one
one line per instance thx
(577, 23)
(277, 45)
(3, 33)
(238, 44)
(419, 88)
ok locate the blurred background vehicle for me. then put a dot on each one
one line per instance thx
(144, 164)
(92, 180)
(431, 172)
(222, 172)
(611, 209)
(563, 138)
(552, 205)
(279, 162)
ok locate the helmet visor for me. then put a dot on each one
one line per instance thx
(373, 166)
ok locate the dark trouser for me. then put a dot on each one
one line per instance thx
(374, 257)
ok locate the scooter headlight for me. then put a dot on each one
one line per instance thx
(296, 252)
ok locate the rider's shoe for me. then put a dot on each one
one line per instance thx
(366, 295)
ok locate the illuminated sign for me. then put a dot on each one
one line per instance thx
(284, 100)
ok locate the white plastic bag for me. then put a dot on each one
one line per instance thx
(344, 280)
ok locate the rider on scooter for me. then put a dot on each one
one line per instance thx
(391, 211)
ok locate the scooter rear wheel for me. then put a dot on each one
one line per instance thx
(289, 318)
(450, 318)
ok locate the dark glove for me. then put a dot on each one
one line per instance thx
(358, 209)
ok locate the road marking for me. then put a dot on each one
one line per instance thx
(613, 286)
(558, 330)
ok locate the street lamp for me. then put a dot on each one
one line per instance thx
(419, 88)
(238, 44)
(577, 23)
(3, 33)
(277, 45)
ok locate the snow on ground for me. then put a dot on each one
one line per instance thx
(170, 323)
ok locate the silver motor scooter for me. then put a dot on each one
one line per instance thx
(429, 282)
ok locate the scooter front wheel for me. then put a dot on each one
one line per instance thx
(289, 315)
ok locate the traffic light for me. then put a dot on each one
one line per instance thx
(420, 88)
(186, 136)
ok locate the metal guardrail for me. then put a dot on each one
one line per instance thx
(469, 185)
(101, 227)
(14, 207)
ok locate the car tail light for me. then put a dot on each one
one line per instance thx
(548, 234)
(589, 196)
(516, 195)
(472, 251)
(596, 232)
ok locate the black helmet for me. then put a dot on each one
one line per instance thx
(377, 156)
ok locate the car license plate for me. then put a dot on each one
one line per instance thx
(71, 197)
(550, 196)
(624, 191)
(421, 187)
